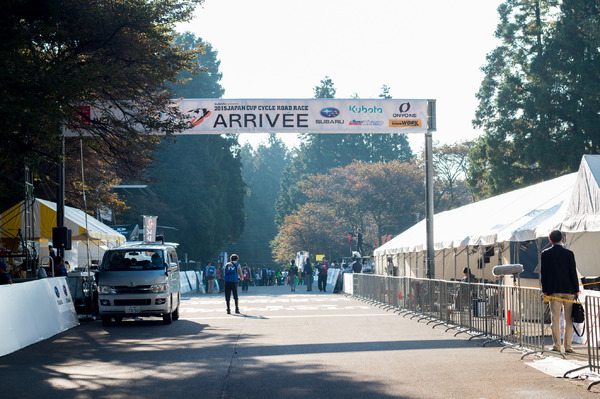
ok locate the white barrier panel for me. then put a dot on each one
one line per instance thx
(201, 289)
(34, 311)
(332, 276)
(193, 280)
(184, 284)
(348, 283)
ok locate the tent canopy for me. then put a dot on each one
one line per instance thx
(570, 203)
(43, 214)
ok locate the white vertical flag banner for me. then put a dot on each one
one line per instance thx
(150, 228)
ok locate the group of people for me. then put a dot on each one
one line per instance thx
(558, 274)
(216, 274)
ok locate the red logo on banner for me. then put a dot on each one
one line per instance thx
(83, 117)
(199, 119)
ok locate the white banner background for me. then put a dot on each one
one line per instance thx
(216, 116)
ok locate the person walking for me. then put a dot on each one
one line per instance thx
(322, 276)
(246, 277)
(210, 272)
(558, 274)
(232, 273)
(308, 275)
(220, 277)
(293, 275)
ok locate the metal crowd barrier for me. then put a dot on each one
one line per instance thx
(592, 331)
(511, 315)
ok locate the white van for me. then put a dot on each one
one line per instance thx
(139, 279)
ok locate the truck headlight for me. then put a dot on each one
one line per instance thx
(106, 289)
(159, 288)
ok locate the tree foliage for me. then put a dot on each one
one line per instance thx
(197, 179)
(451, 165)
(372, 196)
(262, 171)
(320, 152)
(60, 55)
(539, 98)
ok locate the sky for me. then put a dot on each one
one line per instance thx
(421, 49)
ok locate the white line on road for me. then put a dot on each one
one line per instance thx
(307, 316)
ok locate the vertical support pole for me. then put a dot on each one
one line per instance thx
(431, 117)
(60, 193)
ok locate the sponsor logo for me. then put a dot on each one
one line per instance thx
(361, 109)
(330, 112)
(329, 121)
(56, 291)
(201, 114)
(404, 108)
(65, 290)
(405, 123)
(354, 122)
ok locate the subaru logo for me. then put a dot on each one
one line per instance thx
(330, 112)
(56, 292)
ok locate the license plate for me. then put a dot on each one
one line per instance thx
(132, 309)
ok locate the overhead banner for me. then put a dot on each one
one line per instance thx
(320, 115)
(327, 115)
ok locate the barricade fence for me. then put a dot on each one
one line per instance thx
(511, 315)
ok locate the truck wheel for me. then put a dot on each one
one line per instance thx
(176, 314)
(167, 318)
(105, 321)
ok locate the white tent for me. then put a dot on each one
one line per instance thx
(570, 203)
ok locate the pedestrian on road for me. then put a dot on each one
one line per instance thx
(220, 277)
(293, 274)
(558, 274)
(322, 277)
(210, 272)
(246, 272)
(308, 275)
(233, 274)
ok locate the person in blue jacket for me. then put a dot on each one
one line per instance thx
(233, 274)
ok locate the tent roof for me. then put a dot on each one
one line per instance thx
(570, 203)
(44, 218)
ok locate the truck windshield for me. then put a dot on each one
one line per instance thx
(133, 260)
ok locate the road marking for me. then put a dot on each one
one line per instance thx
(308, 316)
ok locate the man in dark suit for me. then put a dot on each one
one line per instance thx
(559, 281)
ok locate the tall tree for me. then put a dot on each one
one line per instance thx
(320, 152)
(59, 55)
(197, 179)
(539, 98)
(372, 196)
(451, 165)
(262, 171)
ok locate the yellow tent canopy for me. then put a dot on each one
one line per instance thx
(43, 214)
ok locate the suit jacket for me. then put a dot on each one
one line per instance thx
(558, 271)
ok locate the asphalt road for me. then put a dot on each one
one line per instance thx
(283, 345)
